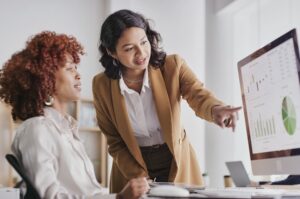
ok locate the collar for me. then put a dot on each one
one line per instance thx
(124, 88)
(66, 124)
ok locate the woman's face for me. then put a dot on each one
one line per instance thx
(133, 49)
(67, 82)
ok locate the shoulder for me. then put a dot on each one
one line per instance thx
(173, 64)
(35, 128)
(33, 124)
(174, 60)
(33, 132)
(101, 82)
(102, 86)
(100, 78)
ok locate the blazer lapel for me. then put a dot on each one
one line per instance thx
(123, 123)
(162, 103)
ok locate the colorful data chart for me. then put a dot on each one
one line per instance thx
(288, 115)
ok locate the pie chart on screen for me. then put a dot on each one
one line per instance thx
(288, 115)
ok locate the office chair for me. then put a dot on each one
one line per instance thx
(31, 192)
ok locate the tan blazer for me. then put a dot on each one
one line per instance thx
(169, 84)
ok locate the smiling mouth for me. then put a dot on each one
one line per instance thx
(140, 61)
(78, 86)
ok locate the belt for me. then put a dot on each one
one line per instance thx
(155, 146)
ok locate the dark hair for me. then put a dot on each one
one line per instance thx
(28, 77)
(111, 31)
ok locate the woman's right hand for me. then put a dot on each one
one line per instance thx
(225, 116)
(134, 189)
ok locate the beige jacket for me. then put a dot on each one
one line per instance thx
(169, 84)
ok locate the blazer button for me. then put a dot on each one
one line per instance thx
(179, 140)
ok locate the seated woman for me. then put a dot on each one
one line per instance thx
(38, 82)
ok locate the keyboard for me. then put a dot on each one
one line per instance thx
(247, 192)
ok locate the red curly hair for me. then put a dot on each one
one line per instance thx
(28, 77)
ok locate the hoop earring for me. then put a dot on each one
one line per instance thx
(49, 101)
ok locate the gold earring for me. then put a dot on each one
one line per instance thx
(49, 101)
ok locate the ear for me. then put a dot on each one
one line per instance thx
(113, 55)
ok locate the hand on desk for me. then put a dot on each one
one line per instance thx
(225, 116)
(134, 189)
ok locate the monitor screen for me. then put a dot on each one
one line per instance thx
(269, 80)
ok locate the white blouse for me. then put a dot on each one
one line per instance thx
(142, 113)
(55, 159)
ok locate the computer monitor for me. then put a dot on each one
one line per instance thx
(269, 80)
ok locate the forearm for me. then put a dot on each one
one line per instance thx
(200, 99)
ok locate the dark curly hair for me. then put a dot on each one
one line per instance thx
(112, 30)
(28, 77)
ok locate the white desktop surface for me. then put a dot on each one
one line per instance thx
(9, 193)
(248, 192)
(275, 192)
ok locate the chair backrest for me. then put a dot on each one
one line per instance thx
(31, 192)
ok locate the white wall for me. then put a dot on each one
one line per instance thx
(182, 27)
(232, 33)
(21, 19)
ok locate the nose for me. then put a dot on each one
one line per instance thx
(139, 51)
(77, 76)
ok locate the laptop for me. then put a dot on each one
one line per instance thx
(238, 173)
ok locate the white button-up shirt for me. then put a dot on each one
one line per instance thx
(55, 159)
(142, 113)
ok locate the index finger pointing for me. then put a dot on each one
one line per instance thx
(234, 109)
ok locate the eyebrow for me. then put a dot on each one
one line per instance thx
(125, 45)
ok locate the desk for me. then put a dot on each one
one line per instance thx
(270, 192)
(193, 197)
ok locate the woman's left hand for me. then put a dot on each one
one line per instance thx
(225, 116)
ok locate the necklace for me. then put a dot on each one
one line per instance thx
(133, 81)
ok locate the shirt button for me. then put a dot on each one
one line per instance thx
(179, 140)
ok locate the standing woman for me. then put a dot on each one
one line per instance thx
(137, 100)
(38, 82)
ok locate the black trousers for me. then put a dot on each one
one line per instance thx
(158, 159)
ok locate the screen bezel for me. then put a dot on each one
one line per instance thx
(289, 35)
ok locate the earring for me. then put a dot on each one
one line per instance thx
(115, 63)
(49, 101)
